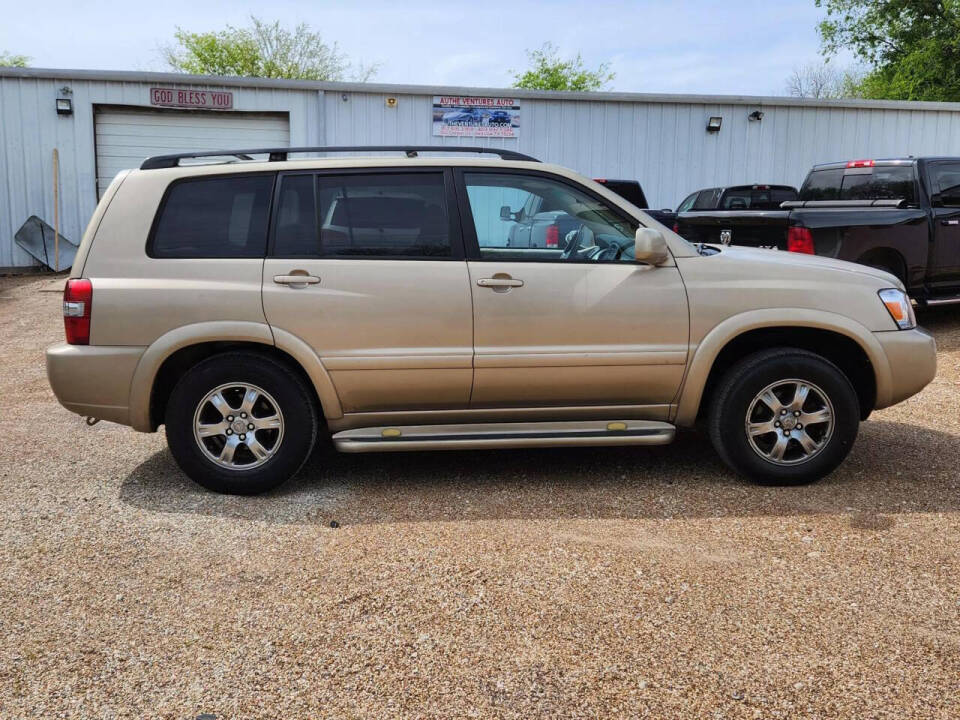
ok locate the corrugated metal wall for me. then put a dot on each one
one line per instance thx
(30, 129)
(665, 145)
(660, 140)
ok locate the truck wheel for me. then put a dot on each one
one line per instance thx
(784, 417)
(240, 423)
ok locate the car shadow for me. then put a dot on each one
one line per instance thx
(944, 322)
(894, 468)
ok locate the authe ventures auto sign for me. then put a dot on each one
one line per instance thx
(201, 99)
(475, 117)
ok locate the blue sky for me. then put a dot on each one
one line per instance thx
(692, 46)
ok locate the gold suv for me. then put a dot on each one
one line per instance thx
(457, 300)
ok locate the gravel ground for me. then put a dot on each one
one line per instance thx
(573, 583)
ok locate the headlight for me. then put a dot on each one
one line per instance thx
(899, 307)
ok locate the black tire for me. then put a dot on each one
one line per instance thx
(291, 446)
(736, 393)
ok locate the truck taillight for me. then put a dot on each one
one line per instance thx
(860, 163)
(676, 228)
(800, 240)
(553, 236)
(77, 301)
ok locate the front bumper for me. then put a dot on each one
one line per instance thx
(93, 380)
(912, 359)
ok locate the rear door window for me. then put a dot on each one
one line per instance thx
(213, 217)
(388, 215)
(296, 233)
(363, 215)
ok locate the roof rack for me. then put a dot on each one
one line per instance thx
(280, 154)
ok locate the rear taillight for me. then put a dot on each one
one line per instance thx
(553, 236)
(77, 300)
(800, 240)
(676, 228)
(860, 163)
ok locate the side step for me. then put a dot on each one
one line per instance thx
(504, 435)
(949, 300)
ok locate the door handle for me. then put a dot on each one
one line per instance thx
(950, 222)
(499, 282)
(296, 279)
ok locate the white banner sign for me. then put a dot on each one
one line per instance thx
(455, 116)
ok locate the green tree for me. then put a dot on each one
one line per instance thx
(912, 47)
(11, 60)
(262, 50)
(548, 71)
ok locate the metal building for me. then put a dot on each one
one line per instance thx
(103, 121)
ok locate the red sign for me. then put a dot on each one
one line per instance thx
(206, 99)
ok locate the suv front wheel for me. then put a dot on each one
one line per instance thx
(784, 417)
(240, 423)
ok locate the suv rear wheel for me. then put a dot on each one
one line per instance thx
(240, 423)
(784, 417)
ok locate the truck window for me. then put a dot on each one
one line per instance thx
(736, 200)
(779, 195)
(687, 202)
(629, 190)
(879, 183)
(707, 199)
(946, 183)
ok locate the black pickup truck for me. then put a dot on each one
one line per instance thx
(901, 215)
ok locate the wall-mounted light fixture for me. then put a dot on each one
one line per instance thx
(755, 115)
(64, 106)
(713, 124)
(391, 102)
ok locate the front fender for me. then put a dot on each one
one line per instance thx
(705, 353)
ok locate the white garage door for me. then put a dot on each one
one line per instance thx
(126, 136)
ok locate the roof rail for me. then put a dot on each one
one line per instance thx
(280, 154)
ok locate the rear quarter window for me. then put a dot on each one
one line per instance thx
(213, 217)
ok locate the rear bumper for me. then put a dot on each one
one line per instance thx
(912, 357)
(93, 380)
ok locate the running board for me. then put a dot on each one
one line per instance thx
(952, 300)
(504, 435)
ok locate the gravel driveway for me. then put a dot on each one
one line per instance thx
(600, 582)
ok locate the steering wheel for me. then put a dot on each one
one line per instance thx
(611, 252)
(572, 248)
(618, 254)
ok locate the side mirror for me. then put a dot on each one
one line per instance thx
(651, 247)
(506, 213)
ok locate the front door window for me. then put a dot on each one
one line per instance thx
(526, 217)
